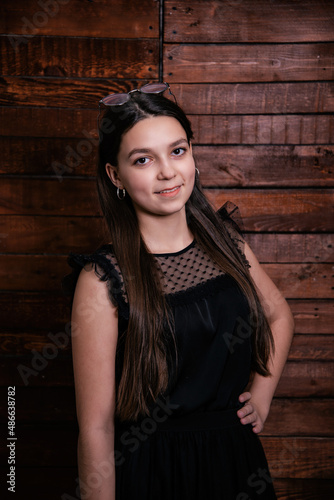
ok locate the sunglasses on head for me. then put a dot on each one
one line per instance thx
(149, 88)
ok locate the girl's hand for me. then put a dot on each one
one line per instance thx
(250, 413)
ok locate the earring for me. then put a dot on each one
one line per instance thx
(120, 197)
(197, 170)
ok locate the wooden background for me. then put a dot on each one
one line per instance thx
(256, 79)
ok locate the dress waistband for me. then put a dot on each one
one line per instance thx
(201, 420)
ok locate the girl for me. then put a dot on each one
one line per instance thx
(179, 336)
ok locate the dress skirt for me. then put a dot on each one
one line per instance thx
(203, 456)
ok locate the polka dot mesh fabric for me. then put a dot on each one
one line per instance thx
(186, 269)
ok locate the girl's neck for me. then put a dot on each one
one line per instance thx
(166, 234)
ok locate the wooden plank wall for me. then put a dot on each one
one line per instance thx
(256, 78)
(78, 51)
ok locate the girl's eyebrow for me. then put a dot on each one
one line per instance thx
(147, 150)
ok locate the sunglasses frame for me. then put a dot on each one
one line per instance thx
(144, 89)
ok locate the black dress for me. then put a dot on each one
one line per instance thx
(193, 446)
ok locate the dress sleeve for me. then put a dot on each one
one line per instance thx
(106, 269)
(231, 217)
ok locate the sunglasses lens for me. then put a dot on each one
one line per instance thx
(115, 99)
(154, 88)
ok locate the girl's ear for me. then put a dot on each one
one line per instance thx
(113, 175)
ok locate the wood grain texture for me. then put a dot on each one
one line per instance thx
(61, 235)
(248, 63)
(118, 19)
(255, 98)
(286, 418)
(208, 129)
(53, 367)
(313, 316)
(312, 347)
(248, 21)
(52, 235)
(307, 379)
(80, 57)
(279, 211)
(300, 417)
(215, 99)
(228, 166)
(40, 478)
(64, 481)
(260, 166)
(263, 129)
(45, 272)
(262, 210)
(304, 489)
(33, 312)
(61, 92)
(293, 457)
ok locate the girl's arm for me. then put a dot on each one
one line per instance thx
(258, 400)
(94, 339)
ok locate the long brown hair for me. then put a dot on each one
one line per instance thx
(149, 339)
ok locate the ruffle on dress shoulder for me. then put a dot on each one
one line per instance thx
(231, 216)
(106, 269)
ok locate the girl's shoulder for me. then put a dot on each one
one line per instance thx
(106, 268)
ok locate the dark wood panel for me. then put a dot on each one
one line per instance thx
(49, 122)
(41, 483)
(289, 247)
(260, 129)
(302, 281)
(280, 211)
(244, 21)
(312, 347)
(208, 129)
(41, 405)
(44, 272)
(38, 370)
(231, 166)
(33, 273)
(38, 234)
(255, 98)
(299, 457)
(33, 312)
(53, 235)
(57, 404)
(304, 489)
(248, 63)
(262, 210)
(20, 342)
(60, 92)
(64, 481)
(48, 197)
(55, 157)
(307, 379)
(219, 165)
(80, 57)
(118, 19)
(216, 99)
(288, 457)
(53, 368)
(315, 316)
(300, 417)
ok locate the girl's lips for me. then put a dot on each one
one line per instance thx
(169, 192)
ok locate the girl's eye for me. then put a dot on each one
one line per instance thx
(179, 151)
(141, 161)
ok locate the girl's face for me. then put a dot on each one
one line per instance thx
(155, 167)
